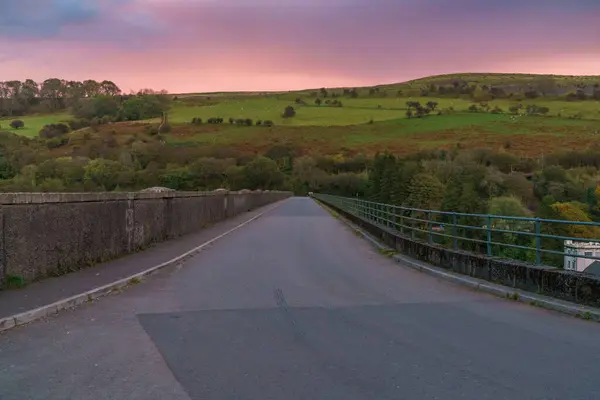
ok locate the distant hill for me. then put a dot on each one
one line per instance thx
(574, 87)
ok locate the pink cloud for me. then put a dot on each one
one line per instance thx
(273, 45)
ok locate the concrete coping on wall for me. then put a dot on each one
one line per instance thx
(45, 198)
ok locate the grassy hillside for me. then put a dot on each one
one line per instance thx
(528, 136)
(374, 118)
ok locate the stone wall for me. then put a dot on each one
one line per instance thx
(49, 234)
(549, 281)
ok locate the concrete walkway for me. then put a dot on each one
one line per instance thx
(295, 306)
(50, 290)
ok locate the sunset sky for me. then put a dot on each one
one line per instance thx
(223, 45)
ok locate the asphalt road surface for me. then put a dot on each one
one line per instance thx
(295, 306)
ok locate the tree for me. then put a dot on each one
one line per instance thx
(108, 88)
(283, 155)
(144, 107)
(318, 101)
(426, 192)
(432, 105)
(91, 88)
(262, 173)
(574, 211)
(508, 206)
(307, 176)
(289, 112)
(53, 92)
(17, 123)
(103, 173)
(209, 173)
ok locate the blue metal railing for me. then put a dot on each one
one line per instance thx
(535, 240)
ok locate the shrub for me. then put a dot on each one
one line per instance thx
(17, 123)
(53, 130)
(248, 122)
(56, 142)
(289, 112)
(197, 121)
(258, 123)
(76, 124)
(268, 123)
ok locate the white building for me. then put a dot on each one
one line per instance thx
(575, 250)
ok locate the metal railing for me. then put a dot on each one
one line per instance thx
(534, 240)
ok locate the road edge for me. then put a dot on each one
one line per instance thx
(532, 299)
(26, 317)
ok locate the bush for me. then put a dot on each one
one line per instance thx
(268, 123)
(76, 124)
(53, 130)
(197, 121)
(56, 142)
(17, 123)
(289, 112)
(107, 119)
(152, 130)
(258, 123)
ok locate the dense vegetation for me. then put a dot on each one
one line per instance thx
(475, 143)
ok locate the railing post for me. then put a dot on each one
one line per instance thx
(454, 232)
(538, 242)
(412, 225)
(401, 220)
(389, 216)
(489, 235)
(429, 228)
(373, 213)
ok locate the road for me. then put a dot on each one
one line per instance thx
(295, 306)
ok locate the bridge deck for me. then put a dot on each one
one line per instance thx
(295, 306)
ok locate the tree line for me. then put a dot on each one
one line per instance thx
(19, 98)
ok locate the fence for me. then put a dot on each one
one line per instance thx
(569, 244)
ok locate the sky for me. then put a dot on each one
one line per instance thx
(228, 45)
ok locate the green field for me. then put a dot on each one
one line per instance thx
(259, 108)
(357, 111)
(34, 123)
